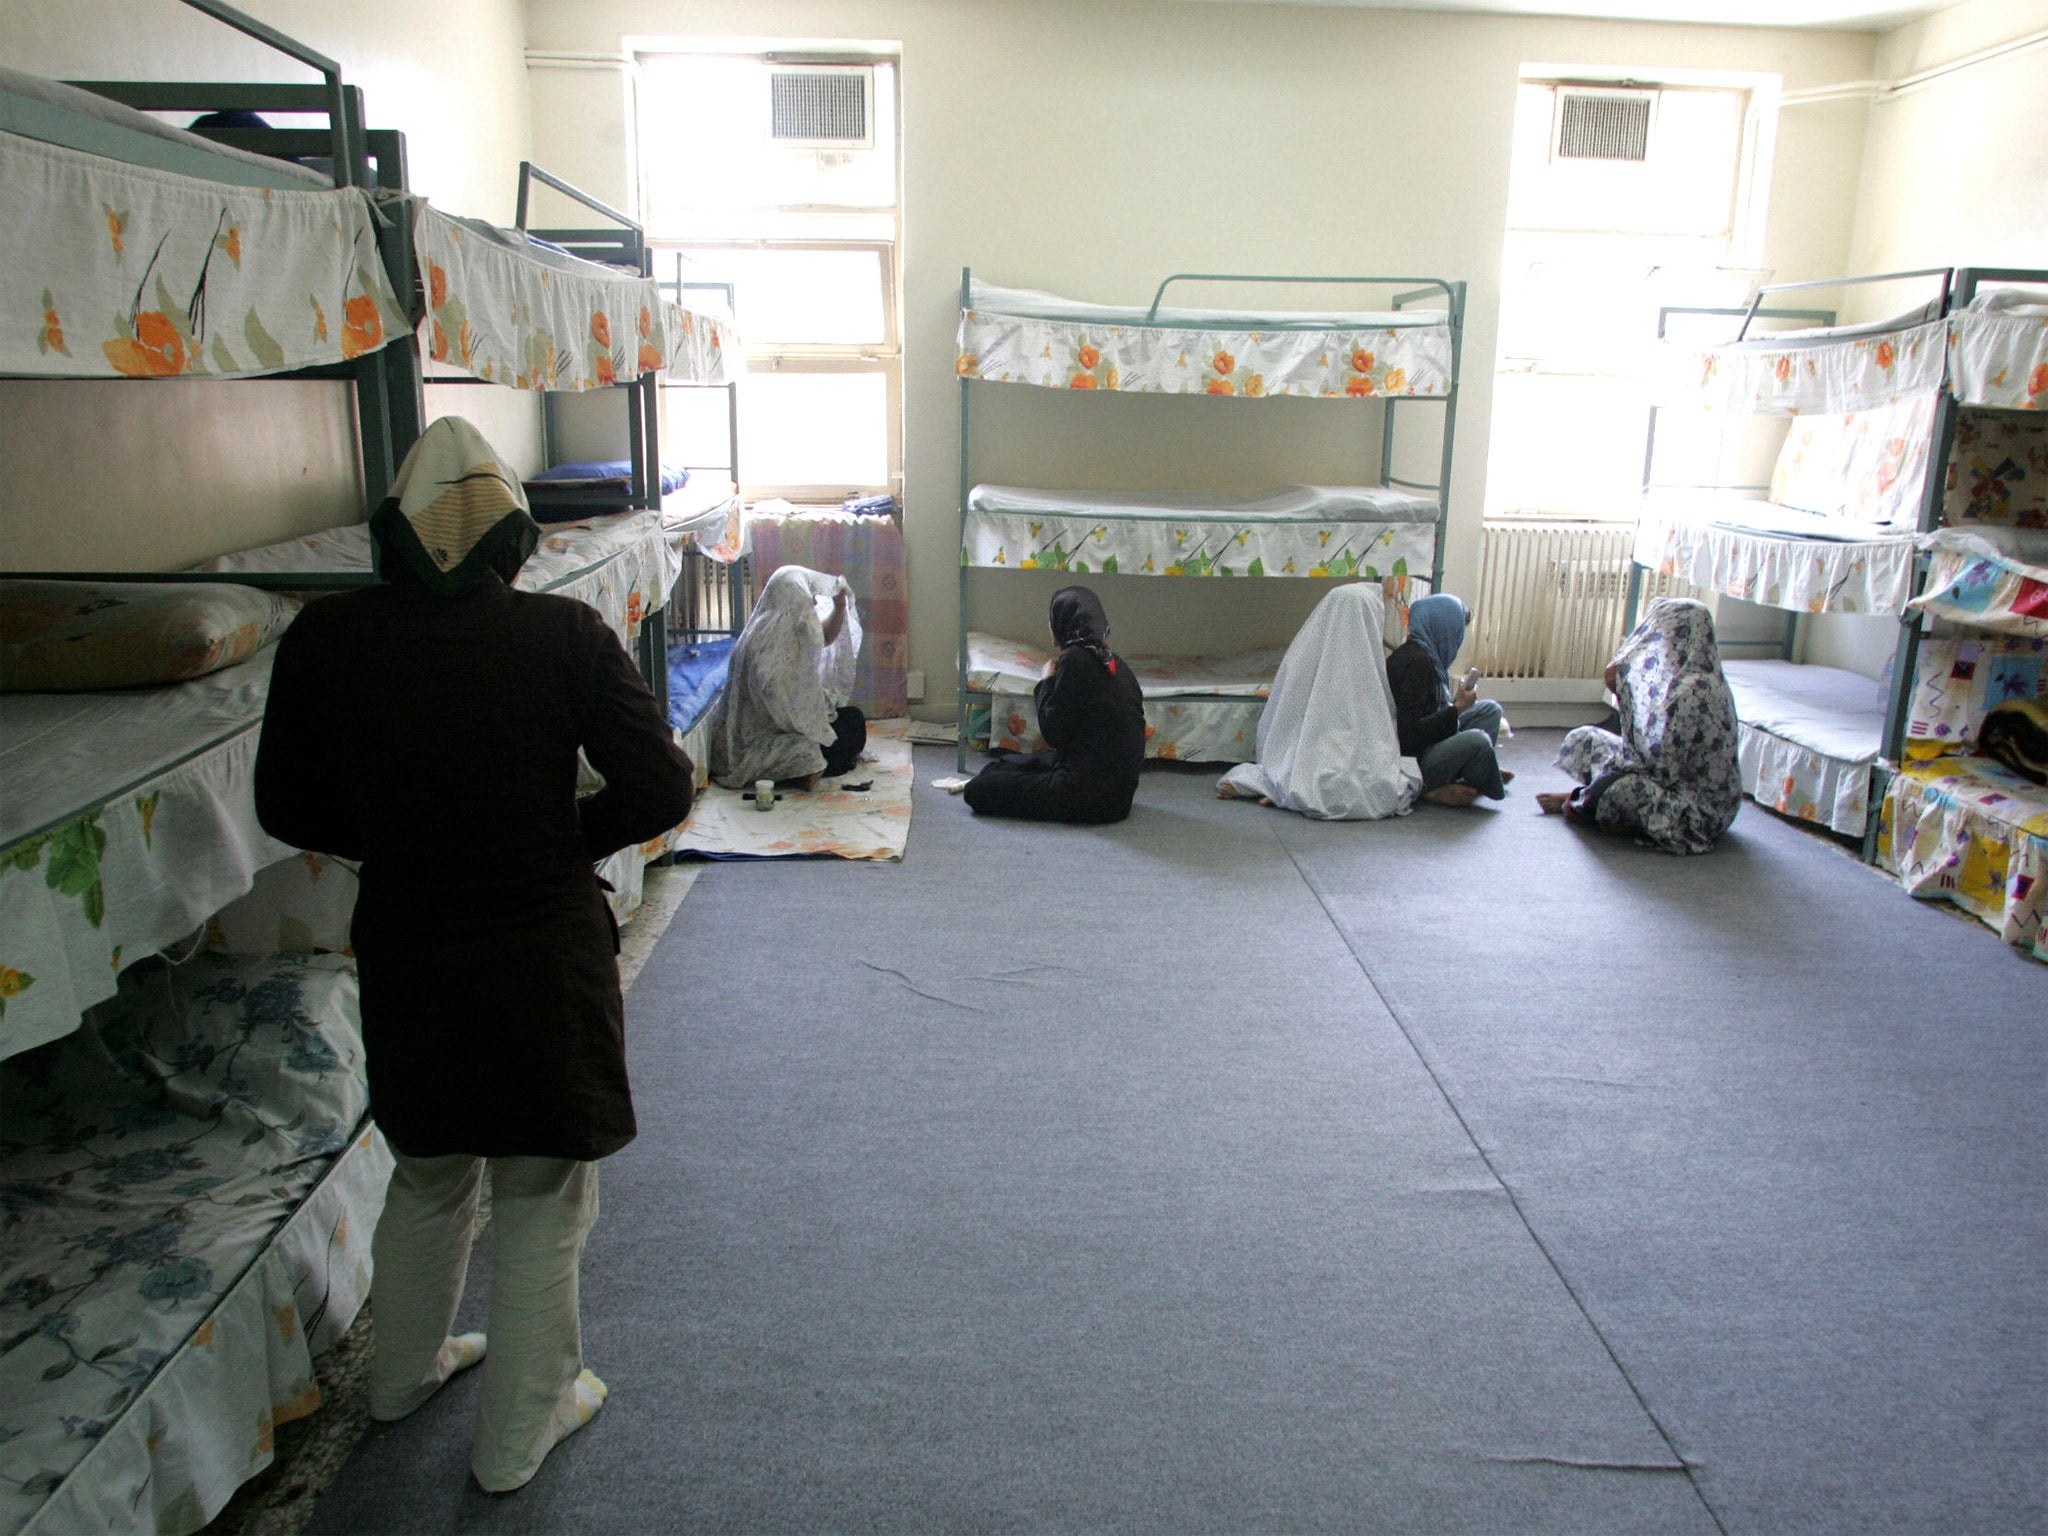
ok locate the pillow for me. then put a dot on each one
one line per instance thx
(672, 479)
(66, 636)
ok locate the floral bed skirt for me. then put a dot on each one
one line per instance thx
(1971, 831)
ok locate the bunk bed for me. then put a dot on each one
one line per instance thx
(190, 1178)
(1833, 532)
(1403, 358)
(1956, 825)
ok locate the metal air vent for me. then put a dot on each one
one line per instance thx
(821, 106)
(1602, 125)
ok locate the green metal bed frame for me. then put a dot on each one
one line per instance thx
(1906, 654)
(1453, 295)
(390, 408)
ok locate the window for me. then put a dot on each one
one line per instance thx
(775, 175)
(1623, 197)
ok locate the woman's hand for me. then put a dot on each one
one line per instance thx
(1051, 665)
(1464, 699)
(1612, 675)
(835, 621)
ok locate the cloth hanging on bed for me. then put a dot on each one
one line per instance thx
(1327, 746)
(785, 682)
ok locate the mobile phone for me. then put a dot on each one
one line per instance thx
(1471, 678)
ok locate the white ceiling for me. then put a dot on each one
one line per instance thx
(1845, 15)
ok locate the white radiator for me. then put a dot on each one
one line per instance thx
(1552, 595)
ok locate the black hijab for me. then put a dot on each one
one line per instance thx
(1078, 620)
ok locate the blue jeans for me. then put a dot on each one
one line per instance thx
(1467, 757)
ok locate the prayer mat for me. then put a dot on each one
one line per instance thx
(833, 821)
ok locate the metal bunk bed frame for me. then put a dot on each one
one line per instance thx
(697, 595)
(1453, 294)
(1961, 289)
(390, 408)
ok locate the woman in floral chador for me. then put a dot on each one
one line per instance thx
(429, 727)
(1092, 716)
(1670, 779)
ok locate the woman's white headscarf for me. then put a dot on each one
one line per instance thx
(784, 683)
(1327, 744)
(456, 515)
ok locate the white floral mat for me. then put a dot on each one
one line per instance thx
(832, 821)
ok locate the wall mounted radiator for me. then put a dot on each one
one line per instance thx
(1552, 594)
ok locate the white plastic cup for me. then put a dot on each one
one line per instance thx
(764, 794)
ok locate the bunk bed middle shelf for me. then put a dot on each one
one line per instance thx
(1836, 532)
(1020, 336)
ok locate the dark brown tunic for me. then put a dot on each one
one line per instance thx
(434, 739)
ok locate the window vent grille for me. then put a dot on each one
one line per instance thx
(1604, 125)
(822, 106)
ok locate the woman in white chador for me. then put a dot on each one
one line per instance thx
(784, 713)
(1327, 745)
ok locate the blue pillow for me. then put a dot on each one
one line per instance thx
(672, 479)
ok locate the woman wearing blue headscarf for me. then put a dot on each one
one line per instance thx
(1450, 732)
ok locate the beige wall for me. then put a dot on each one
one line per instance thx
(155, 475)
(1092, 148)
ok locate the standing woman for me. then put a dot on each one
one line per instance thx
(1092, 716)
(784, 712)
(1670, 778)
(429, 727)
(1450, 732)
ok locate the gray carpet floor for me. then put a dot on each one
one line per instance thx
(1221, 1171)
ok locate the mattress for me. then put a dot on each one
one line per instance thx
(192, 1190)
(1031, 304)
(1972, 832)
(1197, 708)
(623, 566)
(1807, 738)
(1020, 336)
(1371, 532)
(129, 818)
(1778, 556)
(21, 94)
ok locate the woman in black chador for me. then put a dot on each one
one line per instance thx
(1092, 717)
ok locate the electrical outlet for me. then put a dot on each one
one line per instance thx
(913, 687)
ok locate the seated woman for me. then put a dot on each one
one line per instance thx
(784, 714)
(1327, 746)
(1670, 778)
(1451, 733)
(1092, 717)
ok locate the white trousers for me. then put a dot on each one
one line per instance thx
(541, 1211)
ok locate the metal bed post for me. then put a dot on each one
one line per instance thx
(1454, 295)
(1961, 288)
(960, 705)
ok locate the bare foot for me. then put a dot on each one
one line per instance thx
(1552, 802)
(1507, 775)
(1225, 790)
(1451, 794)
